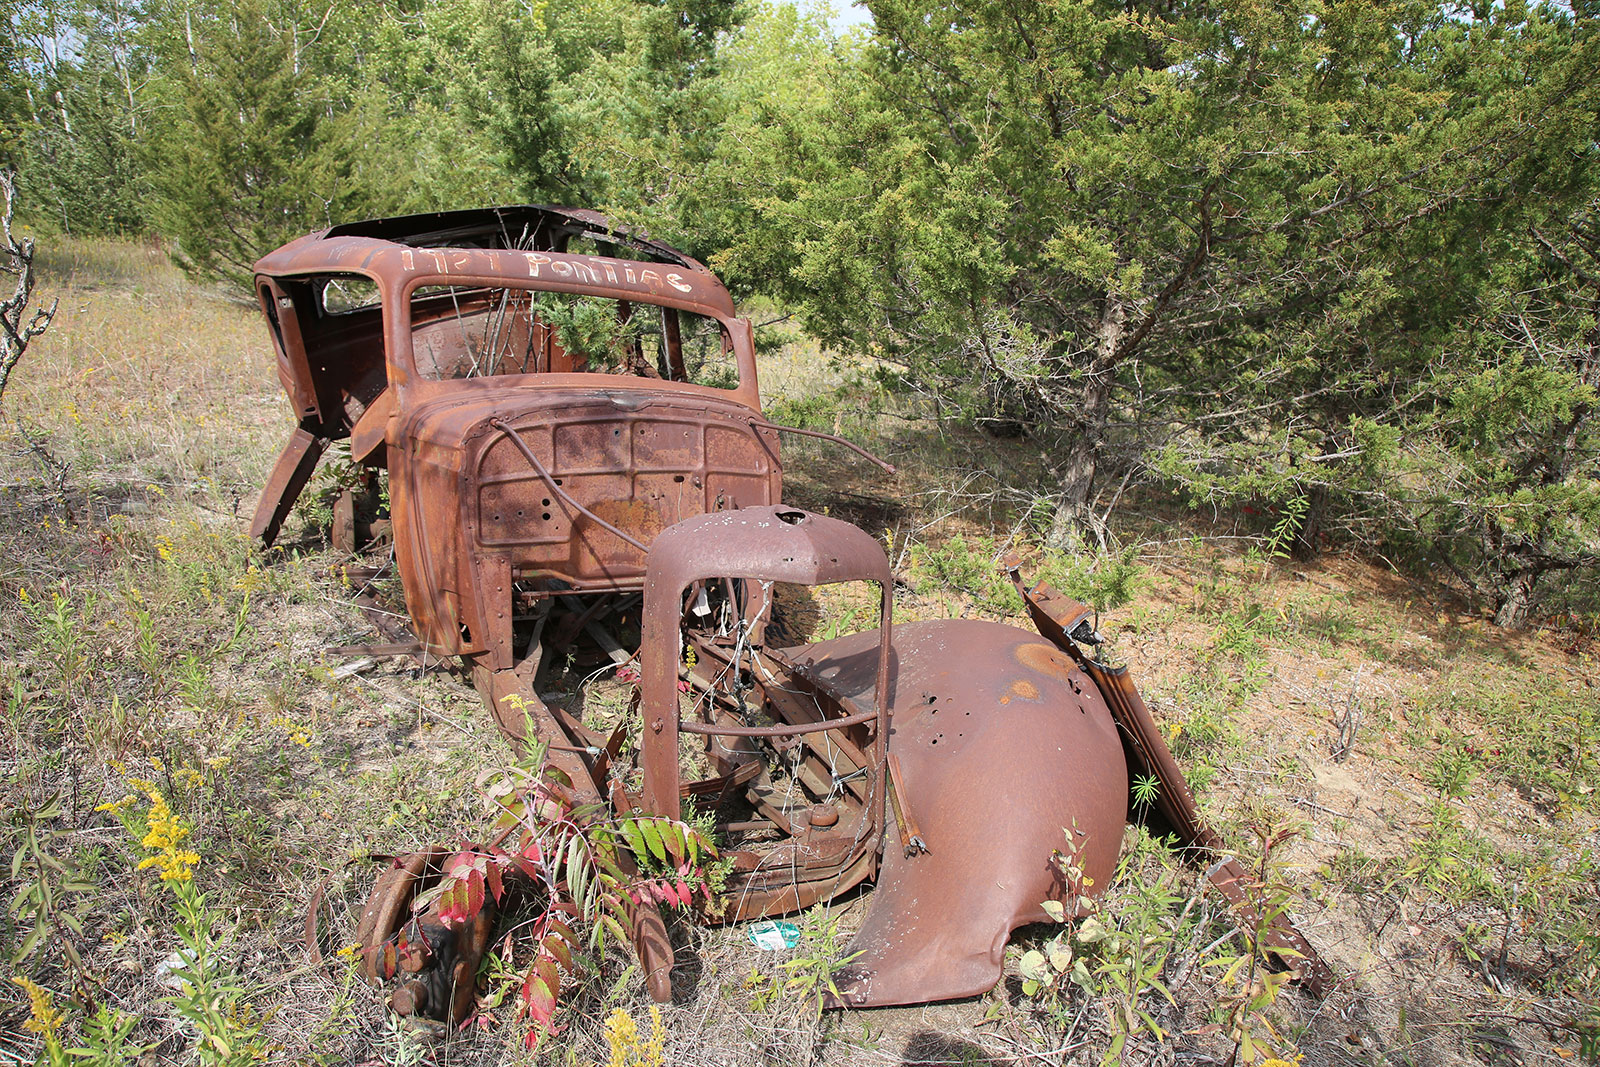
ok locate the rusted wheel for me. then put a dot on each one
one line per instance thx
(388, 908)
(436, 965)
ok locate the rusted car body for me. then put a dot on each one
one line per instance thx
(551, 464)
(513, 462)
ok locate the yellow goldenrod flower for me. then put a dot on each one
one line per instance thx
(165, 835)
(117, 805)
(627, 1050)
(622, 1037)
(43, 1019)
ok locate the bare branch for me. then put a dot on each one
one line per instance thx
(16, 257)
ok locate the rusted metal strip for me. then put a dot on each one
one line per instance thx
(777, 731)
(313, 911)
(404, 648)
(290, 474)
(910, 833)
(1148, 755)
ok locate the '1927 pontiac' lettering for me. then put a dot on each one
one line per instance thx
(591, 273)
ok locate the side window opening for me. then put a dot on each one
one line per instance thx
(270, 302)
(344, 293)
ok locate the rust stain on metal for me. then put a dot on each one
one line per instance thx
(546, 483)
(1024, 689)
(1041, 657)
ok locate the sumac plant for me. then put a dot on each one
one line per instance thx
(580, 868)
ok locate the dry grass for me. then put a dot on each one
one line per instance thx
(1447, 867)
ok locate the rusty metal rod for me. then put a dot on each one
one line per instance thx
(404, 648)
(910, 833)
(819, 435)
(533, 460)
(777, 731)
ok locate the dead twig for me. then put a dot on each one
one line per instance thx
(1348, 722)
(16, 258)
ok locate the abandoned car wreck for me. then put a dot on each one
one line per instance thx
(575, 453)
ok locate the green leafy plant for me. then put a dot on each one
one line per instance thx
(1291, 519)
(107, 1039)
(46, 884)
(210, 996)
(811, 976)
(1453, 769)
(1251, 985)
(584, 866)
(1117, 962)
(967, 565)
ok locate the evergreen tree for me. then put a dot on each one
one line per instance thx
(248, 163)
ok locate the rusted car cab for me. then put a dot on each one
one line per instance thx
(546, 392)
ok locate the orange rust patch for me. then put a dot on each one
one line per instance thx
(635, 516)
(1024, 689)
(1046, 659)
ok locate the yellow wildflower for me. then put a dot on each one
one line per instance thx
(165, 836)
(622, 1037)
(43, 1019)
(117, 805)
(627, 1050)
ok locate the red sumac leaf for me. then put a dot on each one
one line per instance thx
(495, 885)
(559, 951)
(549, 973)
(672, 840)
(538, 999)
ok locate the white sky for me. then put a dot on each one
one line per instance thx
(846, 15)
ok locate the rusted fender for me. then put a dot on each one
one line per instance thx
(1004, 746)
